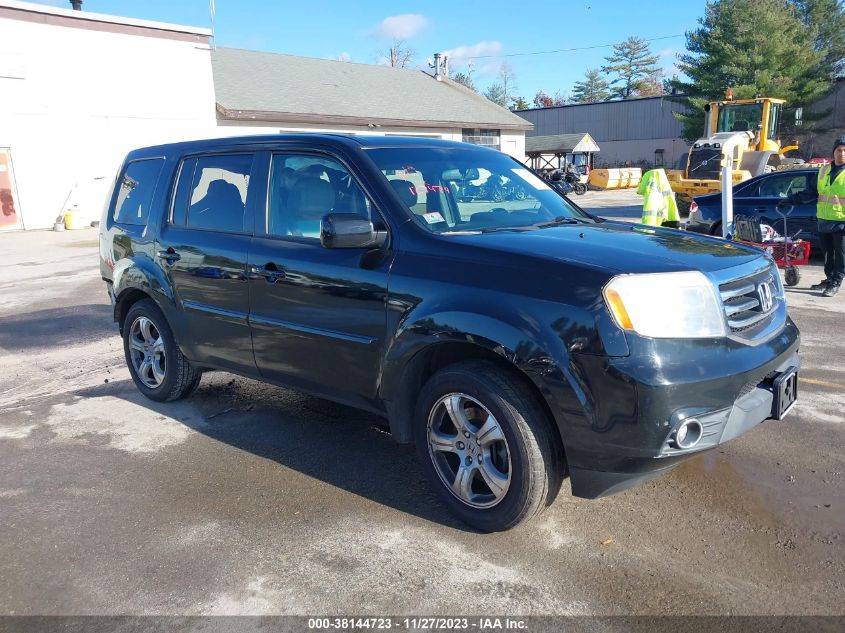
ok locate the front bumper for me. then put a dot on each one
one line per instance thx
(626, 435)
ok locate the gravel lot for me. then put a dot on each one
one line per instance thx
(249, 499)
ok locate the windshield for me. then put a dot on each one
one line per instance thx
(453, 190)
(740, 118)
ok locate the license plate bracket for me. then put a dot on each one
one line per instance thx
(785, 387)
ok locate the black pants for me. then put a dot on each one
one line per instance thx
(833, 247)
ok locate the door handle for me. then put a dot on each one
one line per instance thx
(269, 272)
(170, 256)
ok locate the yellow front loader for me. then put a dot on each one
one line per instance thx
(746, 130)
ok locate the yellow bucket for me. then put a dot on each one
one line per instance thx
(74, 221)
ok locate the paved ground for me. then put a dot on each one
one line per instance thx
(248, 499)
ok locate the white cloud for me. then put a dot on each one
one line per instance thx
(667, 52)
(401, 27)
(462, 55)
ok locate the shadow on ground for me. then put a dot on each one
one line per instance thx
(332, 443)
(57, 327)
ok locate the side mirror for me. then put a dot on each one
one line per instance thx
(471, 174)
(349, 230)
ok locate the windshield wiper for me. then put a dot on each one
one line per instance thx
(497, 229)
(561, 219)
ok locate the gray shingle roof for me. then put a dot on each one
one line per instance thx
(560, 143)
(251, 85)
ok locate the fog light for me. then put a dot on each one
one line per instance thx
(688, 434)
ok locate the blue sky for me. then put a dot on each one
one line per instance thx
(491, 32)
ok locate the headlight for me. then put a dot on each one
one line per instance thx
(666, 305)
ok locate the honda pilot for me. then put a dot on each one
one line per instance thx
(516, 343)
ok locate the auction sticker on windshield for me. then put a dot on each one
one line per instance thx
(433, 218)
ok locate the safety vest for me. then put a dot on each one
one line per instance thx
(831, 204)
(658, 198)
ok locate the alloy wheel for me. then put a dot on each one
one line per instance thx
(146, 349)
(469, 450)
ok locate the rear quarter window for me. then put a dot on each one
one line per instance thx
(136, 187)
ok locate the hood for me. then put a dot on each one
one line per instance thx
(618, 247)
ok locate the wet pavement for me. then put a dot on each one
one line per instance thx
(250, 499)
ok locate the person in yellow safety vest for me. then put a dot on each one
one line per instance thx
(659, 204)
(830, 215)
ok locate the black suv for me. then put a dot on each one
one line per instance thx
(515, 342)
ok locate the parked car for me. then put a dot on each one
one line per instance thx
(514, 345)
(765, 197)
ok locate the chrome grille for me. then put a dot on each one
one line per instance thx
(744, 302)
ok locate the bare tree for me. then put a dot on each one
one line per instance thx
(508, 80)
(400, 55)
(504, 90)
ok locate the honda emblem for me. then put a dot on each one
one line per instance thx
(764, 291)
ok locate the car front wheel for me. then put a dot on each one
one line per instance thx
(487, 446)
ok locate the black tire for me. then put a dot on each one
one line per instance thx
(580, 188)
(683, 205)
(792, 276)
(716, 230)
(176, 377)
(528, 481)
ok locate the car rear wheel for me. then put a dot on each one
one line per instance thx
(157, 366)
(716, 229)
(487, 446)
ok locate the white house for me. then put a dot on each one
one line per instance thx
(78, 90)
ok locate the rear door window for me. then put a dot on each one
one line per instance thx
(135, 191)
(218, 193)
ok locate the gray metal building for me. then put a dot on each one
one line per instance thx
(628, 132)
(644, 131)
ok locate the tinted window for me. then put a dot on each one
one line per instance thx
(218, 192)
(305, 188)
(183, 191)
(783, 186)
(135, 192)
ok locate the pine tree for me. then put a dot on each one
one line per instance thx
(520, 104)
(632, 62)
(503, 91)
(754, 47)
(496, 93)
(593, 88)
(465, 80)
(826, 18)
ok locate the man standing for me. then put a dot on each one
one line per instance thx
(830, 211)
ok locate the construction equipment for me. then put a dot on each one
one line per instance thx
(746, 130)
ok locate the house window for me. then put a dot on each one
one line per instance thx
(476, 136)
